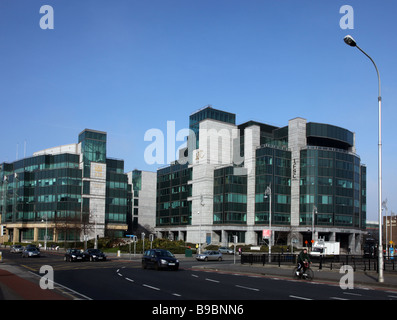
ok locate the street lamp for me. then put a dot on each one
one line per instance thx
(314, 214)
(351, 42)
(202, 206)
(268, 193)
(46, 233)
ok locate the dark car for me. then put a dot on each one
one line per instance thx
(159, 259)
(94, 255)
(73, 255)
(32, 246)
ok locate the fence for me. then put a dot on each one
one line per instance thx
(358, 262)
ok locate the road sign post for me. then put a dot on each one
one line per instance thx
(151, 238)
(133, 238)
(143, 242)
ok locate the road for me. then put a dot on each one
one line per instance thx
(126, 280)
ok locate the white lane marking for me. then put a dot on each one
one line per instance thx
(353, 294)
(150, 287)
(297, 297)
(248, 288)
(212, 280)
(128, 279)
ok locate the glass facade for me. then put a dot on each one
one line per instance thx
(273, 168)
(230, 197)
(209, 113)
(173, 190)
(47, 185)
(117, 189)
(53, 187)
(93, 148)
(363, 200)
(319, 134)
(136, 187)
(332, 181)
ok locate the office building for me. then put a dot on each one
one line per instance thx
(228, 176)
(69, 193)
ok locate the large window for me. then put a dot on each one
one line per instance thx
(330, 181)
(173, 189)
(230, 197)
(273, 169)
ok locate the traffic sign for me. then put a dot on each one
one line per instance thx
(266, 234)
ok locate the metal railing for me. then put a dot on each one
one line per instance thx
(357, 262)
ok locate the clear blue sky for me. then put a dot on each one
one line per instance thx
(126, 66)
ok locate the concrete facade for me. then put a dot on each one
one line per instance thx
(144, 200)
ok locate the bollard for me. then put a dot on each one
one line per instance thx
(1, 256)
(118, 253)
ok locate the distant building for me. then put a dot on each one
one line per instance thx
(68, 192)
(389, 235)
(223, 181)
(372, 229)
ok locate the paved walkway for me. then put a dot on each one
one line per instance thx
(16, 284)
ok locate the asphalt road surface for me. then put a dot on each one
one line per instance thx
(126, 280)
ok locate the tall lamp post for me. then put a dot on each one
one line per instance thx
(351, 42)
(314, 215)
(46, 228)
(202, 209)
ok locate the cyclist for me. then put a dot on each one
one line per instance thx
(303, 262)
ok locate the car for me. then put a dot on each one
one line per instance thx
(73, 255)
(16, 248)
(94, 255)
(30, 252)
(159, 259)
(32, 246)
(226, 250)
(209, 255)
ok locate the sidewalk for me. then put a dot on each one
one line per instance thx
(18, 285)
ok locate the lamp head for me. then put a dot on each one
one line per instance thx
(350, 41)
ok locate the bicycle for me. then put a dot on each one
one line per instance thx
(307, 275)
